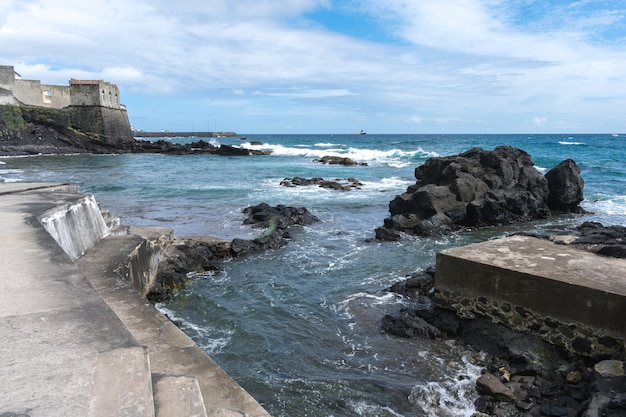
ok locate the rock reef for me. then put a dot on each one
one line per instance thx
(479, 188)
(203, 254)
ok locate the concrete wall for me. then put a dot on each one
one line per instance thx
(76, 226)
(571, 298)
(33, 93)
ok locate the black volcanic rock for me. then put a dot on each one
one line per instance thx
(481, 188)
(566, 187)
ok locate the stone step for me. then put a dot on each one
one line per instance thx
(177, 396)
(122, 384)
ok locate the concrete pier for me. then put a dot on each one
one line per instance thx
(571, 298)
(78, 339)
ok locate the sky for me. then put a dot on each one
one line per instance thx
(335, 66)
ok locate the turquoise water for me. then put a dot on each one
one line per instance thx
(299, 327)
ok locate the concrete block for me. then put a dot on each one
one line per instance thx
(176, 396)
(122, 384)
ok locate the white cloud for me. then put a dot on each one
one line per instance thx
(469, 62)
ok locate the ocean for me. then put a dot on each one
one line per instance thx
(299, 327)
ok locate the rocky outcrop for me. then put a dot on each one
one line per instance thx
(592, 237)
(479, 188)
(34, 130)
(523, 375)
(203, 254)
(341, 185)
(566, 187)
(339, 160)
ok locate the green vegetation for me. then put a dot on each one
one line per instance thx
(16, 118)
(11, 117)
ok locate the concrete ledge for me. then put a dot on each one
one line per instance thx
(571, 298)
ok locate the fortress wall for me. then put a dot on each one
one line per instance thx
(116, 124)
(113, 124)
(7, 77)
(28, 92)
(94, 93)
(55, 96)
(33, 93)
(84, 94)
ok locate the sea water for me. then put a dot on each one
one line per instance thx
(299, 327)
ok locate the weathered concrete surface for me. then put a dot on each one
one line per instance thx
(52, 321)
(62, 322)
(572, 298)
(171, 351)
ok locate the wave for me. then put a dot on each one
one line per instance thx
(205, 337)
(10, 175)
(452, 396)
(326, 145)
(396, 158)
(565, 142)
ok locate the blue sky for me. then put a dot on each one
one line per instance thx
(336, 66)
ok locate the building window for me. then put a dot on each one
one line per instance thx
(103, 97)
(47, 97)
(110, 99)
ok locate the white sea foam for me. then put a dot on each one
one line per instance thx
(204, 336)
(565, 142)
(362, 408)
(326, 145)
(615, 206)
(453, 395)
(393, 157)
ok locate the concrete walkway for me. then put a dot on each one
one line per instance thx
(79, 341)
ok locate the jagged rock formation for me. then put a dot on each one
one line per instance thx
(201, 254)
(479, 188)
